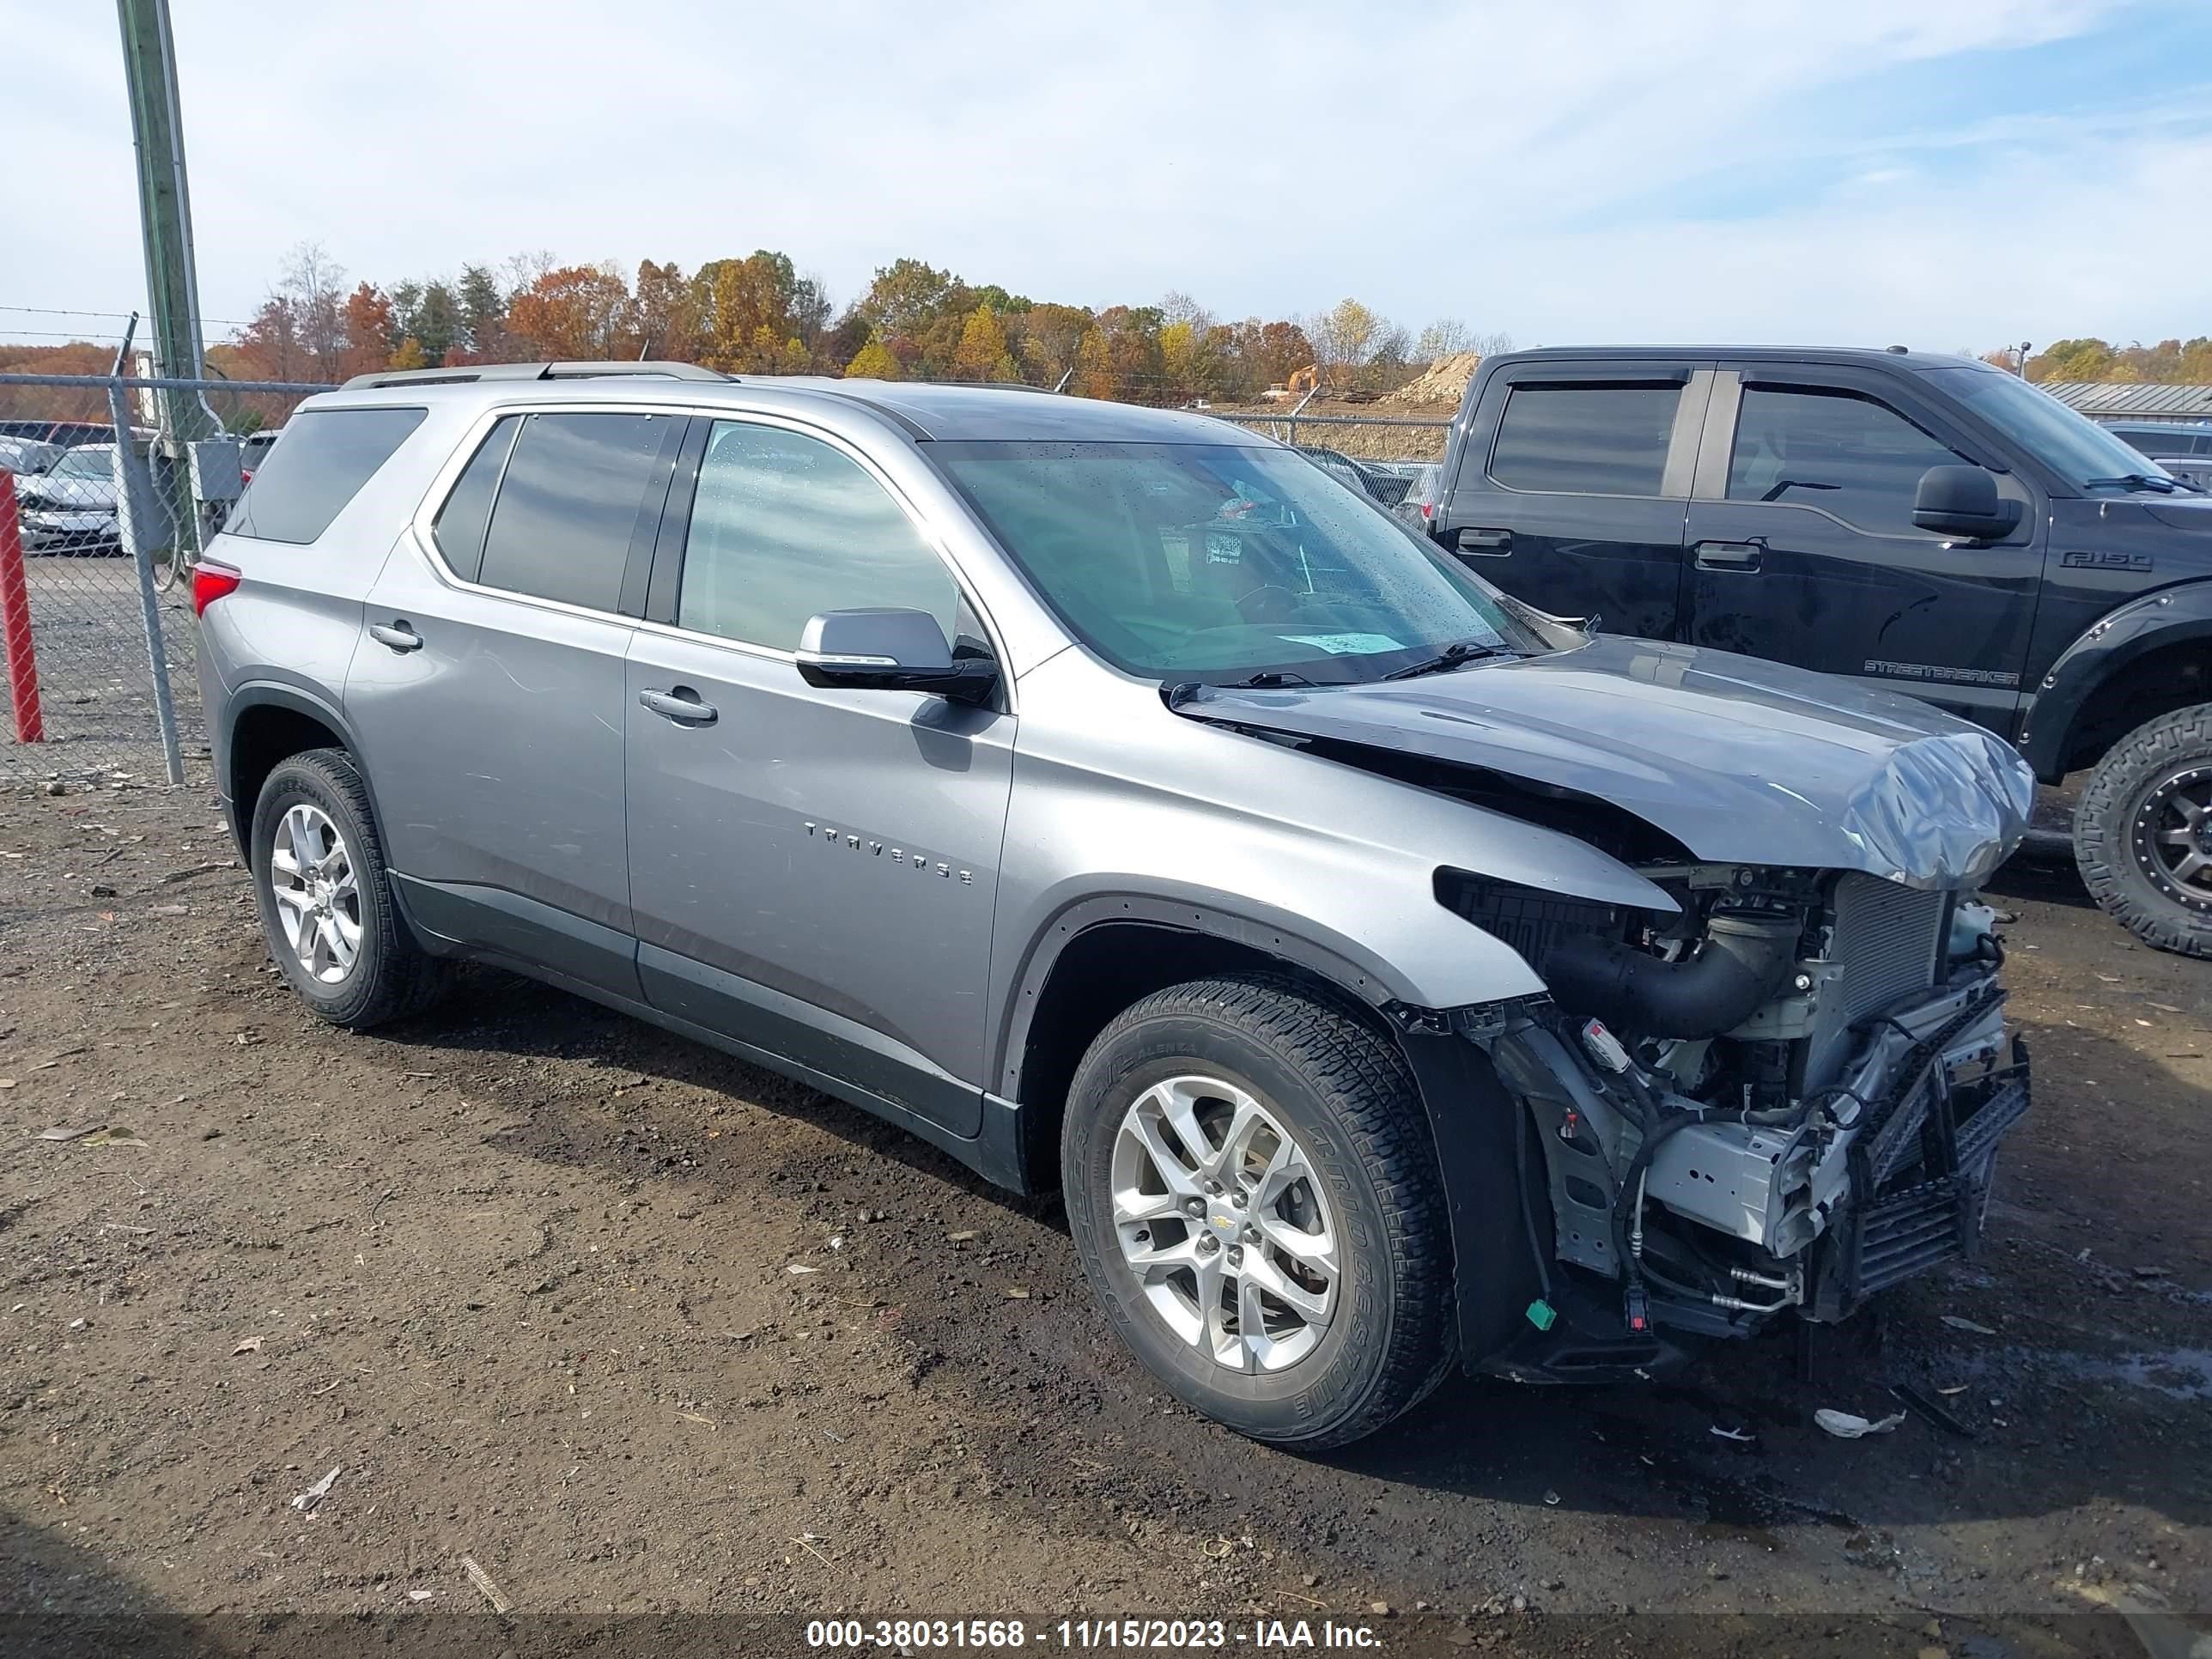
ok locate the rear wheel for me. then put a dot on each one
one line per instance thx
(2142, 832)
(325, 901)
(1254, 1195)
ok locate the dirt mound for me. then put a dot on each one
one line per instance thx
(1444, 381)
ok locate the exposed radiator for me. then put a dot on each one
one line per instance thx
(1887, 940)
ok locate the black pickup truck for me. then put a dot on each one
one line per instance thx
(1928, 524)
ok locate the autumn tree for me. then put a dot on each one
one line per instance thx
(667, 312)
(906, 297)
(873, 362)
(982, 354)
(1094, 366)
(368, 333)
(758, 315)
(1046, 338)
(580, 312)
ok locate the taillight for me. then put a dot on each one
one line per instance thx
(211, 582)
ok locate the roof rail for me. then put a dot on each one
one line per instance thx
(464, 375)
(985, 385)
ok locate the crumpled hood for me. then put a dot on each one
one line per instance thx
(1740, 760)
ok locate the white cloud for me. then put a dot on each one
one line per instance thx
(1521, 165)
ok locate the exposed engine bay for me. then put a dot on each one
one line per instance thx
(1788, 1096)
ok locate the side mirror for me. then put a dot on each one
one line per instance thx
(1962, 502)
(887, 649)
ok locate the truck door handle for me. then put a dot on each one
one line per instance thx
(681, 705)
(399, 635)
(1728, 556)
(1491, 542)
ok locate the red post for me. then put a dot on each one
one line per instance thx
(15, 620)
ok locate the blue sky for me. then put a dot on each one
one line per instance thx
(1945, 172)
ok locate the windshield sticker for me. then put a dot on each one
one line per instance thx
(1346, 645)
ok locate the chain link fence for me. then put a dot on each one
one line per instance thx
(97, 540)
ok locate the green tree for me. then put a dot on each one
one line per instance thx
(482, 315)
(906, 297)
(2072, 360)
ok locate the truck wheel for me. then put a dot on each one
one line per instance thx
(1254, 1195)
(2142, 833)
(325, 903)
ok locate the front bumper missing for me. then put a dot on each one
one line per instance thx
(1920, 1184)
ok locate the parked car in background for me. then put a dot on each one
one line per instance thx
(70, 507)
(252, 446)
(1914, 522)
(1418, 505)
(27, 455)
(1387, 975)
(2181, 448)
(68, 434)
(1374, 484)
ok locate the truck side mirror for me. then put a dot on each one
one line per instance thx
(1962, 503)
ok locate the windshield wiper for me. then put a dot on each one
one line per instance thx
(1451, 656)
(2163, 486)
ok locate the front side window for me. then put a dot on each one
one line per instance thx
(1585, 439)
(784, 527)
(573, 496)
(1846, 454)
(329, 454)
(1221, 562)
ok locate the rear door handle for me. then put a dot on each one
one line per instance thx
(1728, 556)
(681, 705)
(1490, 541)
(399, 635)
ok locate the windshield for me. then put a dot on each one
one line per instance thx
(1212, 562)
(2071, 444)
(86, 461)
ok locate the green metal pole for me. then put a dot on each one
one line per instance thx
(165, 214)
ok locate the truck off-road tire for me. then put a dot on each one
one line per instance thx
(1253, 1195)
(325, 901)
(2142, 832)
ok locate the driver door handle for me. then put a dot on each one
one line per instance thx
(398, 633)
(1490, 541)
(681, 705)
(1728, 556)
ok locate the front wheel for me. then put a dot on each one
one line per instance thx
(1254, 1195)
(2142, 832)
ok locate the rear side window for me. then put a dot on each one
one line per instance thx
(327, 455)
(1585, 439)
(466, 515)
(573, 496)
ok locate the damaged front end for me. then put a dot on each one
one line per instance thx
(1786, 1096)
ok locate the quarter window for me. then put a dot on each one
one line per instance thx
(783, 526)
(575, 492)
(1836, 451)
(1585, 439)
(327, 455)
(467, 512)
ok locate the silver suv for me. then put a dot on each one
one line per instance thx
(1389, 975)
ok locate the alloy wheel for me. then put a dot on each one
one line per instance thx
(2173, 836)
(312, 875)
(1222, 1218)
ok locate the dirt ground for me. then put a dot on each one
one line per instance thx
(642, 1331)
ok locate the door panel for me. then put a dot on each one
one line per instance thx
(1812, 558)
(834, 853)
(813, 870)
(496, 744)
(1577, 507)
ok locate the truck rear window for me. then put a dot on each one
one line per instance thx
(305, 482)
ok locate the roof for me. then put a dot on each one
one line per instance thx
(923, 410)
(2135, 398)
(1885, 356)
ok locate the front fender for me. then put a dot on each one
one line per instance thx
(2173, 616)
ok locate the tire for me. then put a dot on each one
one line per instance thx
(1343, 1093)
(389, 977)
(2151, 784)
